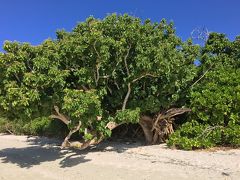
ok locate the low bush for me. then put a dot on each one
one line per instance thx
(40, 126)
(45, 126)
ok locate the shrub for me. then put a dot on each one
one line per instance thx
(3, 125)
(44, 126)
(193, 135)
(39, 126)
(215, 99)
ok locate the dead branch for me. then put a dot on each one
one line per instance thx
(162, 126)
(78, 144)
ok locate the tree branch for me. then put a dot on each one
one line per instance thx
(208, 130)
(111, 125)
(97, 63)
(60, 116)
(116, 84)
(66, 142)
(125, 60)
(201, 76)
(84, 88)
(109, 89)
(129, 84)
(144, 75)
(17, 78)
(174, 112)
(126, 97)
(104, 77)
(84, 145)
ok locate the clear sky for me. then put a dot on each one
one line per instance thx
(35, 20)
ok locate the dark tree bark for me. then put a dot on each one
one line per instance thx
(159, 128)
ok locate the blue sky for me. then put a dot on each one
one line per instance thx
(33, 21)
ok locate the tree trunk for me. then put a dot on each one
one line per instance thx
(75, 144)
(159, 128)
(147, 123)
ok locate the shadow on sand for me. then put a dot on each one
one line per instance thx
(39, 150)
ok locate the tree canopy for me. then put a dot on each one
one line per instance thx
(119, 70)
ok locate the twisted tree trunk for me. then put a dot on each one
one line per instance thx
(158, 128)
(75, 144)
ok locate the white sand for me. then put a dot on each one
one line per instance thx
(41, 158)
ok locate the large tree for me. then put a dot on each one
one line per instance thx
(102, 74)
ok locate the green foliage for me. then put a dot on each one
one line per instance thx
(82, 105)
(128, 115)
(3, 125)
(117, 69)
(39, 126)
(7, 126)
(232, 135)
(215, 99)
(193, 135)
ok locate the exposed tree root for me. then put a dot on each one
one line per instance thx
(84, 144)
(158, 128)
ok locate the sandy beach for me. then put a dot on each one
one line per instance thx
(23, 157)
